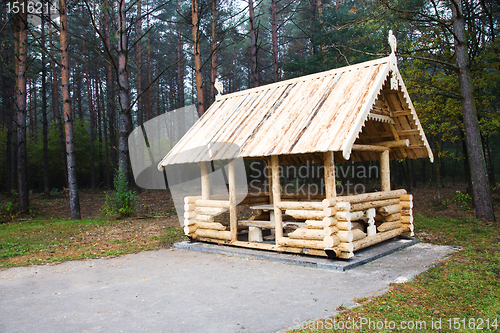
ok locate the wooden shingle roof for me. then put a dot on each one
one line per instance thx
(364, 104)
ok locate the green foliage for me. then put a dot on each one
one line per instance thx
(122, 201)
(9, 209)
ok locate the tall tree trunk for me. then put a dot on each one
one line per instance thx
(74, 201)
(149, 93)
(55, 111)
(124, 120)
(110, 93)
(482, 196)
(274, 34)
(197, 58)
(213, 63)
(253, 41)
(180, 64)
(21, 49)
(7, 92)
(437, 169)
(487, 156)
(91, 114)
(138, 61)
(45, 122)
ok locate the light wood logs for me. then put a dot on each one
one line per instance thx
(330, 230)
(314, 224)
(310, 244)
(389, 226)
(380, 237)
(212, 203)
(331, 241)
(305, 214)
(303, 233)
(385, 171)
(344, 225)
(205, 218)
(352, 199)
(300, 205)
(210, 225)
(189, 207)
(205, 181)
(208, 233)
(210, 211)
(346, 247)
(389, 210)
(407, 219)
(357, 234)
(374, 204)
(276, 187)
(329, 167)
(329, 221)
(345, 236)
(388, 218)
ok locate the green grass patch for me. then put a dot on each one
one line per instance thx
(47, 241)
(460, 294)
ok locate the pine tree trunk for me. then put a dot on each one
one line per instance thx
(111, 95)
(180, 65)
(253, 41)
(125, 121)
(74, 200)
(138, 61)
(149, 93)
(7, 92)
(45, 122)
(56, 113)
(197, 58)
(21, 49)
(482, 196)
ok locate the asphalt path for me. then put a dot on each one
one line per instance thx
(179, 290)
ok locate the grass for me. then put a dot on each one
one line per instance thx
(44, 241)
(459, 294)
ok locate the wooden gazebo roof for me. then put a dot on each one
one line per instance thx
(362, 104)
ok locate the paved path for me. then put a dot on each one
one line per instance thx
(183, 291)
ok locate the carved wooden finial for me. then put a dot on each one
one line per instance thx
(219, 87)
(392, 41)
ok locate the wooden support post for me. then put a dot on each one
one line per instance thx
(270, 177)
(278, 223)
(385, 171)
(205, 181)
(233, 213)
(329, 163)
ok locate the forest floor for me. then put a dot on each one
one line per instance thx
(47, 235)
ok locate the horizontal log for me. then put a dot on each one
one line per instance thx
(209, 240)
(190, 221)
(205, 218)
(345, 255)
(364, 197)
(302, 197)
(377, 238)
(344, 225)
(408, 227)
(190, 200)
(357, 234)
(389, 226)
(212, 203)
(314, 224)
(225, 235)
(389, 210)
(309, 244)
(254, 201)
(373, 148)
(189, 229)
(189, 207)
(343, 206)
(210, 211)
(329, 211)
(329, 221)
(345, 236)
(330, 230)
(388, 218)
(357, 215)
(305, 214)
(406, 204)
(374, 204)
(303, 233)
(407, 219)
(406, 197)
(407, 211)
(210, 225)
(257, 223)
(300, 205)
(395, 143)
(189, 215)
(346, 247)
(331, 241)
(343, 216)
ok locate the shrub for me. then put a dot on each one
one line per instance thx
(121, 201)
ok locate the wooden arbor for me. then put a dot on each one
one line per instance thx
(357, 113)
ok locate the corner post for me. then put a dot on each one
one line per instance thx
(276, 186)
(205, 181)
(233, 212)
(330, 186)
(385, 171)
